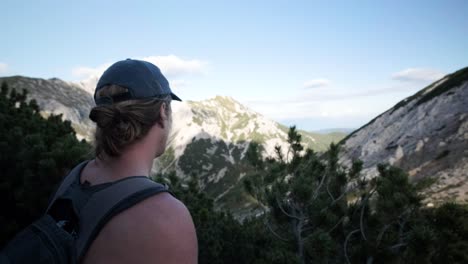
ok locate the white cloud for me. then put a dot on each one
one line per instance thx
(418, 75)
(179, 83)
(88, 72)
(284, 109)
(316, 83)
(339, 105)
(88, 77)
(332, 103)
(173, 67)
(3, 68)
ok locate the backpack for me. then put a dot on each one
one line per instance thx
(74, 217)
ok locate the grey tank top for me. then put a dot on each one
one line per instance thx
(95, 205)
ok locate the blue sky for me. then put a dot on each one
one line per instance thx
(317, 64)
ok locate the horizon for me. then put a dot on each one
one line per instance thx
(315, 65)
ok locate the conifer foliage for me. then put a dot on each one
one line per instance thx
(35, 153)
(222, 238)
(331, 214)
(304, 198)
(314, 210)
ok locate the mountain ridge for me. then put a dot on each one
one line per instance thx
(55, 96)
(425, 134)
(208, 138)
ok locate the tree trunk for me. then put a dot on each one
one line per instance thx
(300, 243)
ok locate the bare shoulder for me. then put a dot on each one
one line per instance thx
(156, 230)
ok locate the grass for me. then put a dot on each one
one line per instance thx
(197, 120)
(425, 183)
(453, 80)
(226, 102)
(322, 141)
(242, 121)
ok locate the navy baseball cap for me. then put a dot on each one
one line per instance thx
(142, 79)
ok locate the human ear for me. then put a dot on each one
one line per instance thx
(163, 114)
(164, 111)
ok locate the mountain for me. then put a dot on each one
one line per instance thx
(208, 140)
(425, 134)
(58, 97)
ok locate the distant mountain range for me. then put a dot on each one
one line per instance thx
(335, 130)
(425, 134)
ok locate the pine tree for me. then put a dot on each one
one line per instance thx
(381, 220)
(35, 153)
(304, 199)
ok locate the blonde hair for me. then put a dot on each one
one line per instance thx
(122, 123)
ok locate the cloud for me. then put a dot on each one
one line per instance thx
(179, 83)
(174, 66)
(330, 95)
(316, 83)
(3, 68)
(340, 104)
(308, 105)
(332, 103)
(418, 75)
(281, 110)
(171, 66)
(88, 72)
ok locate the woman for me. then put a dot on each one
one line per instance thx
(133, 117)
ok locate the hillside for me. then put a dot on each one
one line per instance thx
(58, 97)
(425, 134)
(209, 139)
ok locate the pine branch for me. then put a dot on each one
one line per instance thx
(316, 192)
(336, 225)
(284, 211)
(382, 232)
(345, 246)
(267, 223)
(361, 220)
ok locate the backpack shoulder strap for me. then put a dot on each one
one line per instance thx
(105, 204)
(67, 182)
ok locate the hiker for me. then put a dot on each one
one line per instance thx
(107, 210)
(133, 117)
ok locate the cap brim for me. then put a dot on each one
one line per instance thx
(175, 97)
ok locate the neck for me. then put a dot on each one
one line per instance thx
(127, 164)
(136, 159)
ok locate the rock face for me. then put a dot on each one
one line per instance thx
(425, 134)
(58, 97)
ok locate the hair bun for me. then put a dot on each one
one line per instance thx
(104, 117)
